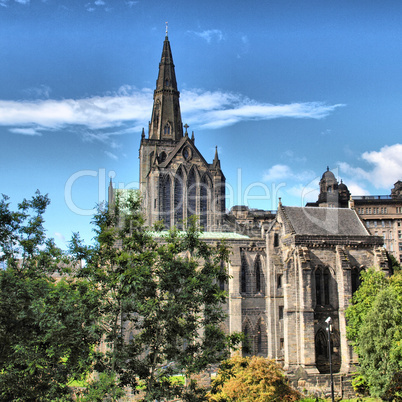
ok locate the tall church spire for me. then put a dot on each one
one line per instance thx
(166, 121)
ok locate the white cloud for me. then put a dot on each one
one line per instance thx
(111, 155)
(25, 131)
(386, 166)
(128, 110)
(22, 1)
(284, 172)
(356, 189)
(277, 172)
(209, 34)
(99, 3)
(60, 236)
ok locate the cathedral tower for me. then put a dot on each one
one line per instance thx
(176, 182)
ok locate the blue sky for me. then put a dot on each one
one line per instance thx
(283, 88)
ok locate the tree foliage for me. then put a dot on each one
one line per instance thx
(162, 300)
(254, 379)
(47, 335)
(375, 330)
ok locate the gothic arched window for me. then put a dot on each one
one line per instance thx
(258, 273)
(243, 274)
(205, 192)
(327, 277)
(164, 193)
(318, 274)
(191, 194)
(166, 129)
(178, 199)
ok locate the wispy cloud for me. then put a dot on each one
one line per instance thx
(26, 131)
(281, 172)
(111, 155)
(385, 170)
(128, 110)
(209, 35)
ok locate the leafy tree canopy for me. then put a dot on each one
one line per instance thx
(47, 336)
(161, 299)
(375, 330)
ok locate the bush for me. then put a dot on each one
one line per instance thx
(253, 379)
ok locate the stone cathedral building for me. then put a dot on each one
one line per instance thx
(289, 271)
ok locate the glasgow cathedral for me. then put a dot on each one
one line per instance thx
(289, 270)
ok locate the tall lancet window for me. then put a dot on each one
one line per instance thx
(178, 199)
(191, 194)
(257, 270)
(164, 193)
(243, 274)
(205, 191)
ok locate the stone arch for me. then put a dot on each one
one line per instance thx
(247, 344)
(321, 351)
(261, 338)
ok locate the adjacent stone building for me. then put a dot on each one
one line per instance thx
(289, 270)
(382, 214)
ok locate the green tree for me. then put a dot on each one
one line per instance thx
(162, 300)
(254, 379)
(47, 335)
(373, 282)
(375, 330)
(380, 342)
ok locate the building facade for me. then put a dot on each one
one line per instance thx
(382, 214)
(289, 270)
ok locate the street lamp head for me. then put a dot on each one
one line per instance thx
(328, 321)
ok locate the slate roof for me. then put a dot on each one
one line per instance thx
(324, 221)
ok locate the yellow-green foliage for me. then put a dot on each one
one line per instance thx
(253, 379)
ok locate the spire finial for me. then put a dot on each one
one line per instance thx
(166, 28)
(186, 126)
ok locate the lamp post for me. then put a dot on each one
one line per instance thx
(328, 321)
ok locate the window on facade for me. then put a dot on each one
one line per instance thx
(281, 344)
(246, 346)
(375, 224)
(399, 223)
(281, 312)
(279, 281)
(322, 286)
(166, 130)
(259, 339)
(368, 224)
(318, 286)
(276, 239)
(243, 278)
(399, 234)
(326, 285)
(383, 224)
(257, 268)
(400, 247)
